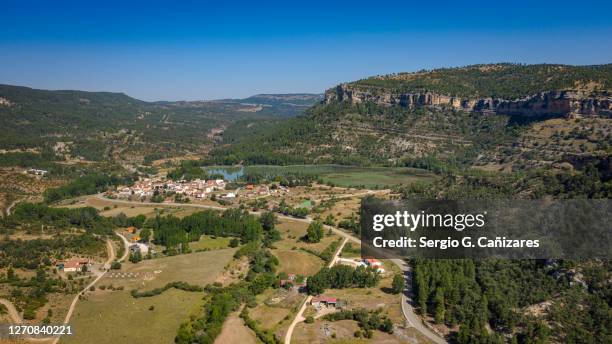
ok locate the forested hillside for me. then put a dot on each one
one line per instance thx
(504, 80)
(370, 129)
(99, 126)
(364, 134)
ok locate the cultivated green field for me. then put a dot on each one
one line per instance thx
(338, 174)
(207, 242)
(350, 175)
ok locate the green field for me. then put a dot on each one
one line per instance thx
(338, 174)
(105, 316)
(112, 317)
(208, 242)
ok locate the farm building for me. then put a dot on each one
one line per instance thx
(72, 265)
(143, 248)
(375, 264)
(37, 172)
(323, 300)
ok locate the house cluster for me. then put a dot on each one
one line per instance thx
(72, 265)
(37, 172)
(375, 264)
(255, 191)
(131, 233)
(368, 262)
(139, 247)
(197, 188)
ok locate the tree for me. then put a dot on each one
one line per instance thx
(136, 257)
(386, 326)
(317, 283)
(315, 232)
(10, 274)
(268, 220)
(398, 283)
(439, 304)
(145, 235)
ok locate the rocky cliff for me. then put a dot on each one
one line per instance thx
(568, 103)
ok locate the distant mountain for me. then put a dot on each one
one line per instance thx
(105, 125)
(285, 105)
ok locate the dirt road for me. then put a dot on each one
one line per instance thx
(299, 316)
(12, 311)
(100, 274)
(411, 317)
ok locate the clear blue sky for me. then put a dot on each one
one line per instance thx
(207, 50)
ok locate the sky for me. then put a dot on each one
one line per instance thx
(198, 50)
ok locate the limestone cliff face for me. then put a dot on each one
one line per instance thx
(567, 103)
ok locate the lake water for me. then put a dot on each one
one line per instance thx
(229, 173)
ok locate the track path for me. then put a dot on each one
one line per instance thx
(106, 267)
(407, 309)
(299, 316)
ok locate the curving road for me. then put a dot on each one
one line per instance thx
(12, 311)
(8, 209)
(106, 266)
(411, 317)
(126, 246)
(16, 317)
(299, 317)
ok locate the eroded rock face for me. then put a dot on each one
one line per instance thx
(5, 102)
(566, 103)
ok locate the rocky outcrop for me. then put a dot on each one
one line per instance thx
(5, 102)
(568, 103)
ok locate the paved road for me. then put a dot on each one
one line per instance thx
(299, 316)
(411, 317)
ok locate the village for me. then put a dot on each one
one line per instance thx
(159, 185)
(295, 205)
(147, 187)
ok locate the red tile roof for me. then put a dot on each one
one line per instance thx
(326, 299)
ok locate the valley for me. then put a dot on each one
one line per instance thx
(240, 219)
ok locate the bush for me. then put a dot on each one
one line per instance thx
(314, 232)
(29, 314)
(177, 285)
(398, 283)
